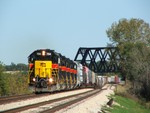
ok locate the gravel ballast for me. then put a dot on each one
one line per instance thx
(8, 106)
(92, 104)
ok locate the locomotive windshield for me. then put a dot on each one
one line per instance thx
(40, 55)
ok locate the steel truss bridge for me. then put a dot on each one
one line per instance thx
(99, 59)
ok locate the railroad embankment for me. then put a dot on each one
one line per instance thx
(125, 102)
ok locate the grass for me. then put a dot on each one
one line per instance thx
(126, 103)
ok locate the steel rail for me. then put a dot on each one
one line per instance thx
(40, 104)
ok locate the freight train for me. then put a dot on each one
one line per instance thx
(50, 71)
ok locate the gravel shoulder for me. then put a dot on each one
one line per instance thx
(8, 106)
(92, 104)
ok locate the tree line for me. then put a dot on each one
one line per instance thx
(132, 37)
(16, 67)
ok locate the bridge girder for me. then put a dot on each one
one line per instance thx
(99, 59)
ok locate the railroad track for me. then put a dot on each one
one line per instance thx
(73, 101)
(9, 99)
(55, 104)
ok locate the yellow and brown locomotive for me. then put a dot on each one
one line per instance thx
(50, 71)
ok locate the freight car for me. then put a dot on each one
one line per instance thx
(51, 71)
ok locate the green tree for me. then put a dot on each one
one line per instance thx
(125, 35)
(140, 70)
(22, 67)
(1, 68)
(132, 37)
(129, 31)
(3, 79)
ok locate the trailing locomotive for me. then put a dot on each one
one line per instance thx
(50, 71)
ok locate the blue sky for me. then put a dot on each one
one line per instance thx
(61, 25)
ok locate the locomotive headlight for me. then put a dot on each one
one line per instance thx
(34, 79)
(50, 80)
(43, 53)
